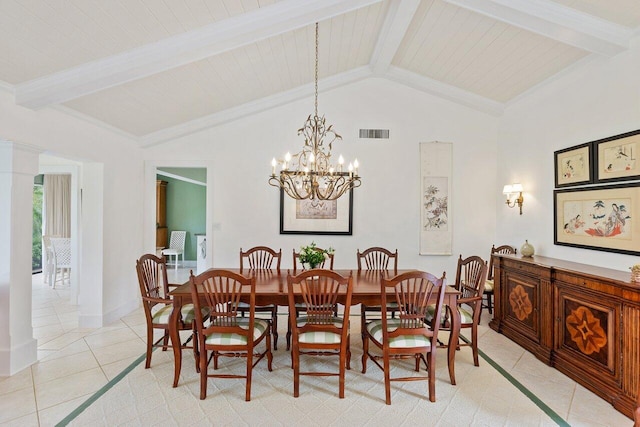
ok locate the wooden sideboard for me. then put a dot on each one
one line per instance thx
(582, 320)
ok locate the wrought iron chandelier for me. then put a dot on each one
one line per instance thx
(310, 174)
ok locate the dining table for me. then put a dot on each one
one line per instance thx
(271, 288)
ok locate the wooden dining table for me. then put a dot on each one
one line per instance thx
(271, 288)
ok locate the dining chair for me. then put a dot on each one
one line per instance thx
(49, 266)
(61, 249)
(227, 334)
(408, 335)
(262, 258)
(176, 247)
(154, 287)
(320, 332)
(375, 258)
(488, 287)
(296, 266)
(471, 274)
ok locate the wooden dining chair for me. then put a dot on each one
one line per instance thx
(488, 287)
(262, 258)
(154, 287)
(375, 258)
(226, 333)
(320, 332)
(471, 274)
(408, 335)
(297, 265)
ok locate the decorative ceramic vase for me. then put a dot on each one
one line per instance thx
(527, 249)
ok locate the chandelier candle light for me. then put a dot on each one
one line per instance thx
(310, 174)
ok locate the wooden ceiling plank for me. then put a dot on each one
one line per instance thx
(556, 22)
(179, 50)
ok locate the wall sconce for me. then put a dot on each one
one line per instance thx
(511, 191)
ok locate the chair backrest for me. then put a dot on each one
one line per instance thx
(221, 291)
(61, 247)
(260, 257)
(320, 290)
(471, 276)
(328, 256)
(504, 249)
(152, 278)
(177, 239)
(414, 292)
(376, 258)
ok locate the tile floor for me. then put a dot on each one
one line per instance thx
(73, 364)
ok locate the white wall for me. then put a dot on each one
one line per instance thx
(387, 205)
(601, 98)
(111, 291)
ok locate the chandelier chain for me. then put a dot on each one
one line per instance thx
(316, 75)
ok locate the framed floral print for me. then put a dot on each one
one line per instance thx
(574, 165)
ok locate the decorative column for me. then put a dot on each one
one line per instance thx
(18, 166)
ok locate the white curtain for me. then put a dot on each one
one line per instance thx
(57, 205)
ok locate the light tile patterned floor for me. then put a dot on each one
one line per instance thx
(75, 363)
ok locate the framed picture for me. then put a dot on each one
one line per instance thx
(574, 165)
(617, 157)
(316, 216)
(603, 218)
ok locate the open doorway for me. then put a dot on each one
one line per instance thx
(181, 205)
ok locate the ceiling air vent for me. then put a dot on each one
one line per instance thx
(374, 133)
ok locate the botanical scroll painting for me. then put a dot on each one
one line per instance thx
(608, 218)
(436, 232)
(436, 203)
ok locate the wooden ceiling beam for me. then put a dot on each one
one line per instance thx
(185, 48)
(556, 22)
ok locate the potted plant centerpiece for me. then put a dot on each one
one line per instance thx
(635, 273)
(312, 256)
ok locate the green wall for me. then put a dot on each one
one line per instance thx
(186, 205)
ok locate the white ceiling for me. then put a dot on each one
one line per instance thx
(158, 69)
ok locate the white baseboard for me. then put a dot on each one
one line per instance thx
(17, 358)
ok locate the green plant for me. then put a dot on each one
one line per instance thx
(312, 255)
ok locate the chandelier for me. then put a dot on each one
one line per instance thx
(310, 174)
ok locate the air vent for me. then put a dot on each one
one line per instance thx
(374, 133)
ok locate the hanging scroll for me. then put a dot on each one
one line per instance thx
(435, 191)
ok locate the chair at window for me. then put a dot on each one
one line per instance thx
(61, 249)
(375, 258)
(488, 287)
(262, 258)
(49, 267)
(154, 287)
(320, 332)
(176, 247)
(226, 333)
(298, 265)
(471, 275)
(407, 336)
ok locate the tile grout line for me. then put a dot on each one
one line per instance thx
(524, 390)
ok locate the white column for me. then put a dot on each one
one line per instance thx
(18, 166)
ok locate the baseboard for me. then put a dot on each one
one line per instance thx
(17, 358)
(97, 321)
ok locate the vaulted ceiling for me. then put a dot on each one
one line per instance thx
(159, 69)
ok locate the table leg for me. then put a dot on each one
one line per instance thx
(453, 341)
(175, 339)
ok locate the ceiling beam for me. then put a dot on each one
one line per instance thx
(175, 51)
(394, 28)
(443, 90)
(556, 22)
(255, 107)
